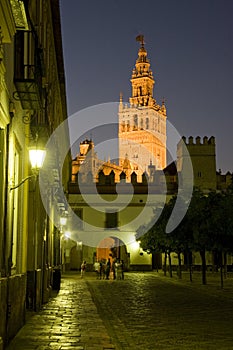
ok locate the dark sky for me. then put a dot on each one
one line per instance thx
(190, 47)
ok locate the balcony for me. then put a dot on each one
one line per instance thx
(28, 71)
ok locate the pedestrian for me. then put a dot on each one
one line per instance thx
(101, 269)
(114, 269)
(97, 268)
(122, 269)
(108, 268)
(118, 270)
(83, 268)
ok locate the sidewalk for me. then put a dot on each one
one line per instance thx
(67, 322)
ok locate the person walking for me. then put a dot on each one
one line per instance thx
(108, 268)
(83, 268)
(122, 269)
(114, 269)
(101, 269)
(97, 268)
(118, 270)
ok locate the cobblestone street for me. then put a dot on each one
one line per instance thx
(147, 311)
(68, 321)
(144, 311)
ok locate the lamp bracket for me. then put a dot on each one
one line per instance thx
(22, 182)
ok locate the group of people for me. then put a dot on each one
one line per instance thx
(103, 269)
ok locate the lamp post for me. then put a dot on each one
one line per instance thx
(36, 157)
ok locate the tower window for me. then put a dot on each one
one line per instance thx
(135, 122)
(141, 123)
(147, 123)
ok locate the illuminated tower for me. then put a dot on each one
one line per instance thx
(142, 122)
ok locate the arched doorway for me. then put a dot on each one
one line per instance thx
(113, 248)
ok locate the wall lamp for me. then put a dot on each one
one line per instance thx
(36, 157)
(63, 220)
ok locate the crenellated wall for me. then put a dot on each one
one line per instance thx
(203, 157)
(198, 141)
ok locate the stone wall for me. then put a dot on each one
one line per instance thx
(12, 309)
(3, 307)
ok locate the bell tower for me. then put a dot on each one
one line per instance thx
(142, 80)
(142, 122)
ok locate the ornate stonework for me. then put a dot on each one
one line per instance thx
(142, 123)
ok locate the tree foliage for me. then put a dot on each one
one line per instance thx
(207, 226)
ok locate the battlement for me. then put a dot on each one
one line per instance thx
(159, 182)
(198, 141)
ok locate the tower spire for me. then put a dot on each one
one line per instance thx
(142, 78)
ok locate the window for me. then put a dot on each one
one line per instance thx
(141, 124)
(135, 122)
(111, 219)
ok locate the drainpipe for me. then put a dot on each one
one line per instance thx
(5, 270)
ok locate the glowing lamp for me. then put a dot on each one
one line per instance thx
(63, 221)
(37, 157)
(67, 234)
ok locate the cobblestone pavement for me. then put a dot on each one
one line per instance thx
(143, 312)
(68, 322)
(147, 311)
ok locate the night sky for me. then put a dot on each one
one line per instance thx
(190, 47)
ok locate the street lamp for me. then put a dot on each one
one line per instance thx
(36, 157)
(63, 220)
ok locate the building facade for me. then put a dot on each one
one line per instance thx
(32, 105)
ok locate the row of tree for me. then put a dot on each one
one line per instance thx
(207, 226)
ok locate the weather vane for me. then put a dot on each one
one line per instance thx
(140, 38)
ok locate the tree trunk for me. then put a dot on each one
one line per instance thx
(179, 272)
(190, 266)
(170, 264)
(225, 264)
(203, 259)
(221, 275)
(165, 264)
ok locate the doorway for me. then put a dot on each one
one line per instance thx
(113, 248)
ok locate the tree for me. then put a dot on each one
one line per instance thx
(198, 217)
(222, 228)
(156, 240)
